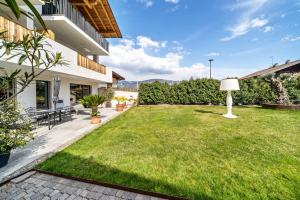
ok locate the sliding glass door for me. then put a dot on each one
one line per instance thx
(78, 91)
(42, 94)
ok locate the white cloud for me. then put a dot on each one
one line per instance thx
(147, 3)
(148, 43)
(213, 54)
(172, 1)
(283, 15)
(244, 27)
(173, 9)
(249, 6)
(268, 29)
(247, 20)
(291, 38)
(257, 22)
(132, 61)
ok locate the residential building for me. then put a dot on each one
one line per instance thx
(78, 29)
(287, 67)
(115, 79)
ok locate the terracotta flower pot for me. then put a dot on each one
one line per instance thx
(96, 120)
(4, 157)
(120, 107)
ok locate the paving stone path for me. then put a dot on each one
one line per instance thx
(38, 186)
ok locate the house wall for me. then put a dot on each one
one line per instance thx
(72, 68)
(28, 97)
(127, 95)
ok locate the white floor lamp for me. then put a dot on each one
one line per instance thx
(229, 85)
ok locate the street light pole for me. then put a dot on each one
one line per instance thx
(210, 60)
(272, 60)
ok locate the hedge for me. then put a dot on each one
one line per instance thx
(206, 91)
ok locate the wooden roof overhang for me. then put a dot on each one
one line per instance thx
(100, 15)
(117, 76)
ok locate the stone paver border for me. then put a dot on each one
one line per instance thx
(38, 184)
(114, 186)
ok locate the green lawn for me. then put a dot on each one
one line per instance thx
(192, 151)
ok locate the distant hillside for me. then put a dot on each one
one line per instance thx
(133, 84)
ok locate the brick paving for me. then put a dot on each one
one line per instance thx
(38, 186)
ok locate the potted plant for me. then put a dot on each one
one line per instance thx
(109, 94)
(132, 101)
(120, 104)
(93, 101)
(15, 130)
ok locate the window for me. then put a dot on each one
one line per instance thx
(78, 91)
(42, 94)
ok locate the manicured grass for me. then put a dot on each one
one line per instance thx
(192, 151)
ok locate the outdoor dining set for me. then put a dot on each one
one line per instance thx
(49, 116)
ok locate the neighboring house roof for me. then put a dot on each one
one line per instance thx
(100, 15)
(290, 67)
(117, 76)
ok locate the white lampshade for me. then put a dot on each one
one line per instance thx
(230, 84)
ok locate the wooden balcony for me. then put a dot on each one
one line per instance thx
(15, 32)
(65, 8)
(90, 64)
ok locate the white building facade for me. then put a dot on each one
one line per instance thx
(81, 41)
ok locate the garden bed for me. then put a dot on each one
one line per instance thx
(281, 106)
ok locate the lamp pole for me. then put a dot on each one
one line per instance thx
(210, 61)
(272, 58)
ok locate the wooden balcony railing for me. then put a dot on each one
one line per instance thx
(64, 7)
(15, 32)
(90, 64)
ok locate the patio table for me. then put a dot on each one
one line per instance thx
(51, 114)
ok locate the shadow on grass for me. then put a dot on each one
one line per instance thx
(86, 168)
(207, 112)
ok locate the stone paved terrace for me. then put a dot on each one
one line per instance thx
(47, 142)
(38, 186)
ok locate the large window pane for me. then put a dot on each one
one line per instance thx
(42, 94)
(78, 92)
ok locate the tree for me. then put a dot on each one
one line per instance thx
(277, 84)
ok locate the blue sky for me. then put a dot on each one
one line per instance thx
(173, 39)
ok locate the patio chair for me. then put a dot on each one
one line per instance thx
(66, 112)
(34, 116)
(80, 108)
(60, 104)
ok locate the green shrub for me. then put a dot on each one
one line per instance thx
(254, 91)
(15, 130)
(293, 87)
(154, 93)
(207, 91)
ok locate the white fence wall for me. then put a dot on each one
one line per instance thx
(127, 95)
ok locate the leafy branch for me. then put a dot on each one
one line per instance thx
(31, 51)
(14, 7)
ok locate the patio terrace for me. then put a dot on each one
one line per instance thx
(47, 142)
